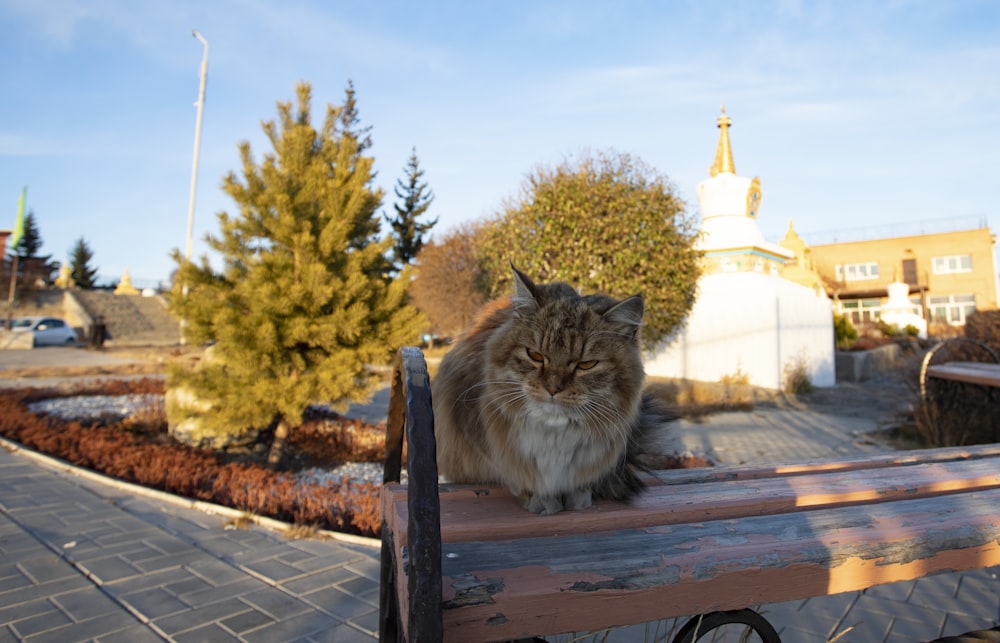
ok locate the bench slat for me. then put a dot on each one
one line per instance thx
(471, 513)
(497, 589)
(894, 459)
(969, 372)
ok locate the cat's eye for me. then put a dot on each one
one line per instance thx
(535, 355)
(586, 366)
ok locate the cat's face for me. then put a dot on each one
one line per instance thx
(567, 357)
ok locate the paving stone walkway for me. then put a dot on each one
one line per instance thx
(82, 560)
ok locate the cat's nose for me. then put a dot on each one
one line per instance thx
(553, 385)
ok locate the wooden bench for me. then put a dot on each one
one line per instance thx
(960, 391)
(467, 563)
(981, 373)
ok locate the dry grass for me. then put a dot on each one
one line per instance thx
(302, 532)
(796, 378)
(242, 521)
(694, 400)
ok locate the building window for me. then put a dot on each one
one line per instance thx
(857, 271)
(950, 309)
(861, 311)
(952, 264)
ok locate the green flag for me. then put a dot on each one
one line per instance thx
(19, 224)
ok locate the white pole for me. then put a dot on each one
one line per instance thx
(197, 143)
(194, 163)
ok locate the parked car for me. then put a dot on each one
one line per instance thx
(48, 331)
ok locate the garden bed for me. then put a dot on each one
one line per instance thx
(137, 449)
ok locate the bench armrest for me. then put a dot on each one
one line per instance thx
(411, 417)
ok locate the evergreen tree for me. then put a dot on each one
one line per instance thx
(406, 229)
(603, 224)
(349, 121)
(301, 306)
(83, 274)
(31, 242)
(34, 271)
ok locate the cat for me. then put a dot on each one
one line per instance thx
(543, 394)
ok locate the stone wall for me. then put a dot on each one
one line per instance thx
(858, 366)
(130, 320)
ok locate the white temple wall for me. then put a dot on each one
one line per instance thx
(753, 323)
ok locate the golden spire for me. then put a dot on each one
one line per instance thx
(791, 233)
(723, 152)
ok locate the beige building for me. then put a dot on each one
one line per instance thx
(949, 274)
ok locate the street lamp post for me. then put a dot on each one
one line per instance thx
(194, 163)
(197, 142)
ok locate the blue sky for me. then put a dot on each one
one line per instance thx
(852, 113)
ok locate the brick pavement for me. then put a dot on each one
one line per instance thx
(81, 560)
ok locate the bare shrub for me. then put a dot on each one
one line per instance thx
(796, 377)
(694, 399)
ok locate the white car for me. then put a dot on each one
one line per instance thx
(48, 331)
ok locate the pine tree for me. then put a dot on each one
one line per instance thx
(31, 242)
(349, 121)
(80, 256)
(301, 306)
(34, 271)
(416, 199)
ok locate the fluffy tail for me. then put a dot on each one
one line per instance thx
(623, 482)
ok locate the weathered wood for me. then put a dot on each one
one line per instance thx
(388, 613)
(477, 513)
(968, 372)
(511, 588)
(896, 458)
(389, 596)
(410, 412)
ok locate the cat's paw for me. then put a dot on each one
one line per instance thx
(543, 505)
(580, 499)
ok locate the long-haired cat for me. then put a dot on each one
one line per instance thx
(543, 394)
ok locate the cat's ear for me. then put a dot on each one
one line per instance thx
(525, 293)
(627, 312)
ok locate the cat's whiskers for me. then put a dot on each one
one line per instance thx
(607, 417)
(465, 396)
(502, 401)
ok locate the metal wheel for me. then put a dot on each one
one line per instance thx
(698, 626)
(957, 413)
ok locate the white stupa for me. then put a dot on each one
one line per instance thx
(747, 318)
(900, 312)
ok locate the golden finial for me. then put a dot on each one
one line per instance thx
(723, 151)
(125, 286)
